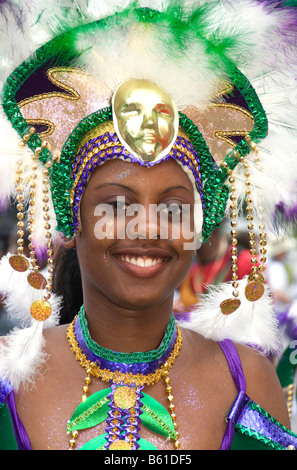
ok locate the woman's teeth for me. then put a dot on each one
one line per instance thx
(141, 261)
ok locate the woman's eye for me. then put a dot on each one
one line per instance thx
(118, 205)
(172, 209)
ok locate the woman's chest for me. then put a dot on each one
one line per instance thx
(187, 419)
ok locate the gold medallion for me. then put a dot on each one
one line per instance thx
(36, 280)
(229, 306)
(254, 290)
(124, 397)
(119, 444)
(40, 310)
(19, 263)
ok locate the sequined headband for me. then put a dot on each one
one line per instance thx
(107, 146)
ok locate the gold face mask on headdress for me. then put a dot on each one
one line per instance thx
(145, 119)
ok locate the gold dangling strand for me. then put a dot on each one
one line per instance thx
(231, 305)
(171, 405)
(290, 395)
(88, 381)
(255, 286)
(19, 262)
(35, 278)
(41, 309)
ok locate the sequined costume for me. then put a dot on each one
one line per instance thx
(249, 426)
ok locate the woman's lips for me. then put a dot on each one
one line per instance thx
(141, 265)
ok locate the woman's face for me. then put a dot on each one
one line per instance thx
(135, 223)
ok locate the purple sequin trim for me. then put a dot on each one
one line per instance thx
(111, 151)
(119, 424)
(247, 415)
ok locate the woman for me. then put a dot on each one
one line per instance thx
(135, 191)
(135, 308)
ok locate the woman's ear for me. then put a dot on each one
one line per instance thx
(68, 242)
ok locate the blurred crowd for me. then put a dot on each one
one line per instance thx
(212, 265)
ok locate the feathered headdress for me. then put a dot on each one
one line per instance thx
(230, 67)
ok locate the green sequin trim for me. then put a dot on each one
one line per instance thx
(128, 358)
(256, 435)
(214, 178)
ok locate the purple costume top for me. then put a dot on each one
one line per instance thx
(245, 417)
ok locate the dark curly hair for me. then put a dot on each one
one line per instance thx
(67, 283)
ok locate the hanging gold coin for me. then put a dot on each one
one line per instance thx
(40, 310)
(229, 306)
(19, 263)
(254, 291)
(120, 445)
(124, 397)
(36, 280)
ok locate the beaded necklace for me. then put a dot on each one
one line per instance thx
(123, 406)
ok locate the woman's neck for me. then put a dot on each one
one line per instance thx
(127, 330)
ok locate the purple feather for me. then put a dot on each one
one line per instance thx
(288, 213)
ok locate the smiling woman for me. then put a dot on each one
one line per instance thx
(127, 136)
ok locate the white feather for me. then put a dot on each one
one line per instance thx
(22, 355)
(140, 53)
(19, 296)
(253, 323)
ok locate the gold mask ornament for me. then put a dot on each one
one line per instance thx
(145, 119)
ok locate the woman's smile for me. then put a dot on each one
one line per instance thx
(143, 263)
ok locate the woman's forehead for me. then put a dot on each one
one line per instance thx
(164, 174)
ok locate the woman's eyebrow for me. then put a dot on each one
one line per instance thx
(122, 186)
(174, 188)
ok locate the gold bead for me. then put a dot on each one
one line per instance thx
(170, 398)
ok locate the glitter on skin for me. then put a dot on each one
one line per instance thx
(124, 174)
